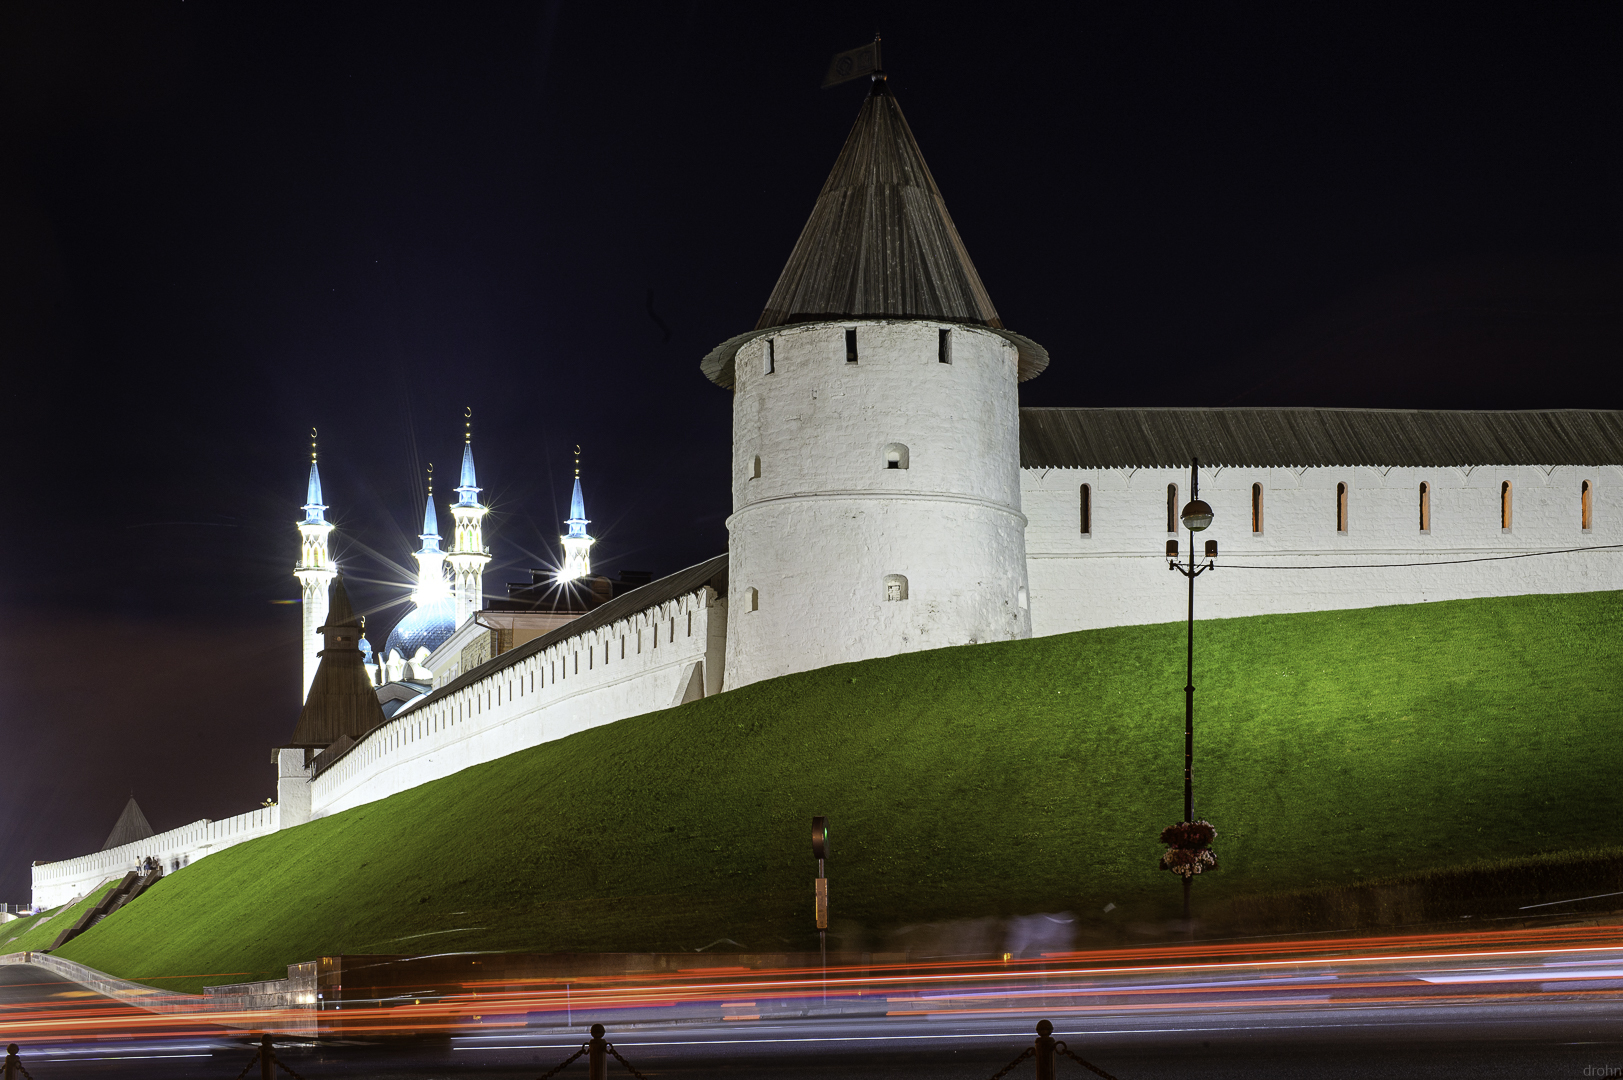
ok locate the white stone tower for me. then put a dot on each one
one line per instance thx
(468, 555)
(876, 458)
(577, 544)
(315, 570)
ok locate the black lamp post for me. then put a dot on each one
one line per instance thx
(1196, 516)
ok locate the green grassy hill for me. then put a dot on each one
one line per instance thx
(40, 931)
(993, 779)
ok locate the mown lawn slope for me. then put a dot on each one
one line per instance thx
(40, 931)
(993, 779)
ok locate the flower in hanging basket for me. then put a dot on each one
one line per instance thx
(1189, 834)
(1189, 848)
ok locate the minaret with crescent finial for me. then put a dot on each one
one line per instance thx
(468, 555)
(315, 570)
(577, 544)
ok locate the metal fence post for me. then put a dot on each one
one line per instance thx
(13, 1066)
(267, 1058)
(597, 1057)
(1045, 1050)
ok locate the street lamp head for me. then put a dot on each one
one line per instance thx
(1196, 515)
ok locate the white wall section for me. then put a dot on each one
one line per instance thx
(1118, 574)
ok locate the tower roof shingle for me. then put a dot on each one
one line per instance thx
(132, 826)
(879, 245)
(341, 699)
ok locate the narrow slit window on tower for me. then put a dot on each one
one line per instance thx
(895, 587)
(752, 599)
(896, 456)
(769, 358)
(943, 353)
(755, 468)
(1425, 507)
(1172, 509)
(1504, 506)
(1087, 509)
(1341, 508)
(1586, 496)
(851, 346)
(1256, 509)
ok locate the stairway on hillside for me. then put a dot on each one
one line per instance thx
(133, 884)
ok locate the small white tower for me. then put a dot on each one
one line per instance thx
(876, 456)
(468, 555)
(315, 570)
(577, 544)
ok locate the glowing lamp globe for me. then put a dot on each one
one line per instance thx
(1196, 515)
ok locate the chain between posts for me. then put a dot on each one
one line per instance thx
(629, 1067)
(566, 1062)
(15, 1062)
(1024, 1054)
(260, 1055)
(1060, 1047)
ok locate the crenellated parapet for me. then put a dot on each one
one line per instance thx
(654, 648)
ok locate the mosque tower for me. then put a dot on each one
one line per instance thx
(315, 570)
(876, 457)
(577, 544)
(432, 618)
(468, 555)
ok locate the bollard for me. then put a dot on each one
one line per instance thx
(597, 1057)
(14, 1067)
(1045, 1050)
(267, 1058)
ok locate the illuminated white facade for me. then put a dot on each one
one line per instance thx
(876, 500)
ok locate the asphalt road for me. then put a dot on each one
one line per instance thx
(1527, 1016)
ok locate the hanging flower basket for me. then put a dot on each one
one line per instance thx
(1189, 851)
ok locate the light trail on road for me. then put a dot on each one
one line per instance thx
(1522, 984)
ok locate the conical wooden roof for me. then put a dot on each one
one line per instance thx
(879, 242)
(132, 826)
(342, 700)
(879, 245)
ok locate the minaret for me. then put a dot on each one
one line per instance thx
(315, 570)
(468, 554)
(431, 583)
(876, 430)
(577, 545)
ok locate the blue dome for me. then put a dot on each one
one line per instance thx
(425, 627)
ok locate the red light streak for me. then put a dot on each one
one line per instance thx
(1367, 972)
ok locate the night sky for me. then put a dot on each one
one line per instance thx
(223, 223)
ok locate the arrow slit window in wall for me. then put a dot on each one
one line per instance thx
(1425, 507)
(1341, 508)
(1587, 495)
(1172, 509)
(1504, 506)
(1087, 510)
(1256, 509)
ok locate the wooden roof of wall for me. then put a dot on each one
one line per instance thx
(1302, 438)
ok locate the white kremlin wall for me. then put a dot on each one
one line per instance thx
(657, 658)
(1117, 574)
(835, 556)
(60, 882)
(654, 659)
